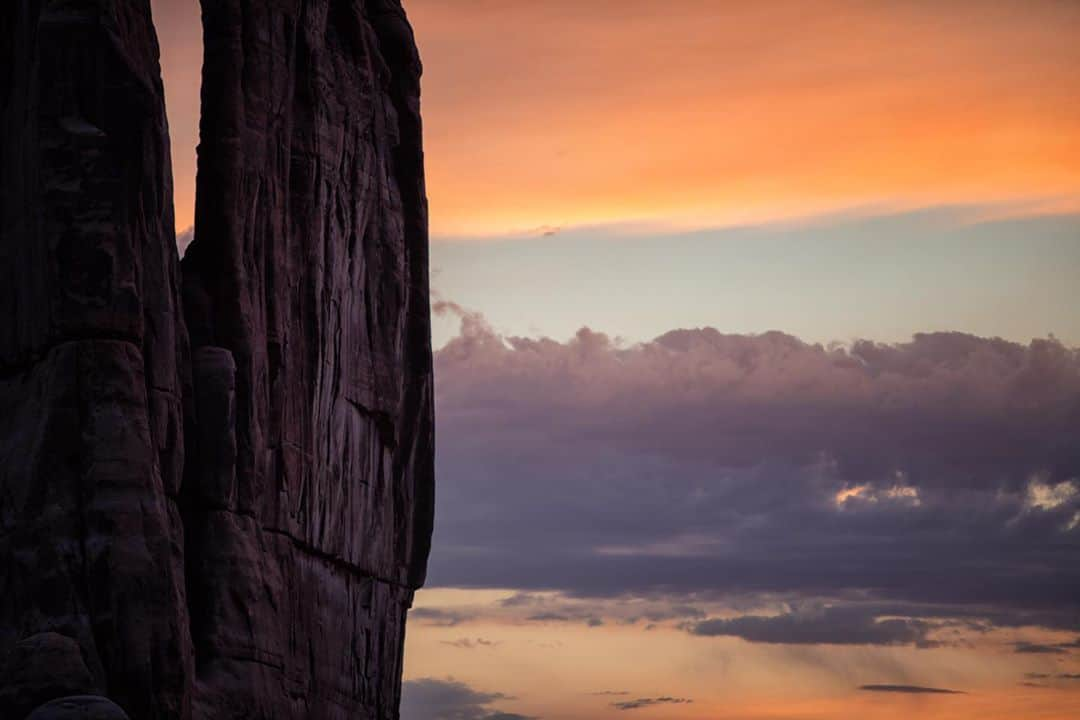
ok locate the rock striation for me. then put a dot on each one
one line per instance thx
(216, 481)
(308, 494)
(92, 348)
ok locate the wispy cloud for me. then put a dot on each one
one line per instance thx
(910, 689)
(1028, 648)
(548, 607)
(647, 702)
(469, 643)
(839, 625)
(438, 616)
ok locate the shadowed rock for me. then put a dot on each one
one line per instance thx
(274, 484)
(43, 666)
(91, 351)
(79, 707)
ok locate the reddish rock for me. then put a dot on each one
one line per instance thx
(309, 484)
(91, 350)
(42, 667)
(289, 513)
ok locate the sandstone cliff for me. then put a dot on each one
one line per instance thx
(221, 511)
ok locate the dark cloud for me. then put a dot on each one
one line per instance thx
(555, 617)
(940, 474)
(910, 689)
(846, 625)
(521, 599)
(1031, 677)
(433, 699)
(438, 616)
(649, 702)
(549, 617)
(675, 611)
(1026, 648)
(610, 692)
(521, 608)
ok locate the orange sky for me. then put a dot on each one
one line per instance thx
(695, 112)
(567, 671)
(700, 112)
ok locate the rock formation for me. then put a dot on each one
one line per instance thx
(91, 351)
(219, 512)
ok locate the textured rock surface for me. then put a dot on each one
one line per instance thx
(274, 484)
(91, 342)
(79, 707)
(308, 492)
(44, 666)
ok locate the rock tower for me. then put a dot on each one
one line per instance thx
(216, 476)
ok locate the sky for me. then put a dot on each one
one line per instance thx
(757, 369)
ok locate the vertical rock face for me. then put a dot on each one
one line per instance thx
(234, 530)
(308, 491)
(91, 346)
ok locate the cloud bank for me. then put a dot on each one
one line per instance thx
(934, 478)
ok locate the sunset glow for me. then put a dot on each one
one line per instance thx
(697, 114)
(566, 113)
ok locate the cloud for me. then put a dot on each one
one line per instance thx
(433, 699)
(649, 702)
(1027, 648)
(470, 644)
(438, 616)
(932, 476)
(554, 617)
(1035, 676)
(845, 625)
(522, 599)
(791, 619)
(545, 231)
(549, 617)
(910, 689)
(183, 239)
(548, 607)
